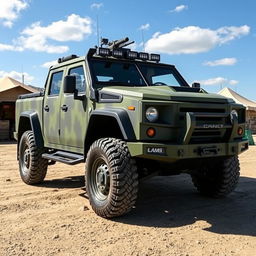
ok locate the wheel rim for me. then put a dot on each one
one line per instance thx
(25, 160)
(100, 179)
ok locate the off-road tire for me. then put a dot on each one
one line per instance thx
(217, 179)
(33, 169)
(111, 156)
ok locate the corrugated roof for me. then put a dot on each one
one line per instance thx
(229, 93)
(7, 83)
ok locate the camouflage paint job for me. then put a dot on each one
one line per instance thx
(67, 130)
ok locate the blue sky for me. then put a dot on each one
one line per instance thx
(210, 41)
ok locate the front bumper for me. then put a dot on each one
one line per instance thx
(171, 152)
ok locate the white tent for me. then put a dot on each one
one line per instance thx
(229, 93)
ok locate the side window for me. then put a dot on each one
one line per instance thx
(78, 72)
(55, 85)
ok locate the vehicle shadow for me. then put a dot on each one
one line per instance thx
(67, 182)
(169, 202)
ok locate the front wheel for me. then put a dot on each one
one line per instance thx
(33, 167)
(111, 178)
(219, 178)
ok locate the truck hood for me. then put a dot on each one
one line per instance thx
(166, 93)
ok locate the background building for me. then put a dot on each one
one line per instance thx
(249, 104)
(10, 90)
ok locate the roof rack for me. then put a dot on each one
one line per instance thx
(70, 57)
(116, 49)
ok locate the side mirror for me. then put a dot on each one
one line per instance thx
(196, 85)
(69, 84)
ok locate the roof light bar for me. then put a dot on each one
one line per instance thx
(128, 54)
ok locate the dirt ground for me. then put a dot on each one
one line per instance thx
(170, 218)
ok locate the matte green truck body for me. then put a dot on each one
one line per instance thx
(173, 132)
(191, 125)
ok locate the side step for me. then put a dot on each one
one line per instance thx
(64, 157)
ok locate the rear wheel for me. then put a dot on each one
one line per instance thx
(217, 179)
(32, 166)
(111, 178)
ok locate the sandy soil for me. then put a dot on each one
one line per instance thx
(171, 218)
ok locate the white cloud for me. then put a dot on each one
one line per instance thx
(36, 36)
(221, 62)
(8, 24)
(9, 47)
(96, 5)
(17, 76)
(10, 10)
(49, 64)
(39, 44)
(192, 39)
(218, 81)
(6, 47)
(233, 82)
(179, 8)
(144, 27)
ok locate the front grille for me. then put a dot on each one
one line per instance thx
(206, 136)
(210, 125)
(203, 110)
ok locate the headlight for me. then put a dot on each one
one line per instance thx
(152, 114)
(233, 113)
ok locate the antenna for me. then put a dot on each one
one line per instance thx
(143, 39)
(98, 33)
(22, 75)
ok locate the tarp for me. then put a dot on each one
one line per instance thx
(248, 136)
(229, 93)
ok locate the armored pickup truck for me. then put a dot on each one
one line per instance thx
(127, 117)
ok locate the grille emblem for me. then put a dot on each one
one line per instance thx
(213, 126)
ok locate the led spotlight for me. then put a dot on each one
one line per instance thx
(103, 51)
(132, 55)
(143, 56)
(155, 57)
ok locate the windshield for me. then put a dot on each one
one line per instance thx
(109, 72)
(120, 73)
(160, 75)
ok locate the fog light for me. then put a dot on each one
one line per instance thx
(151, 132)
(240, 131)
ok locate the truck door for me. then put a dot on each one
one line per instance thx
(51, 107)
(73, 117)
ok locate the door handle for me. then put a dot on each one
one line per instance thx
(46, 108)
(64, 108)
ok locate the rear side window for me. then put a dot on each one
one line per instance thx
(56, 82)
(78, 72)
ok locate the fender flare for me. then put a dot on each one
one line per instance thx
(122, 119)
(35, 126)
